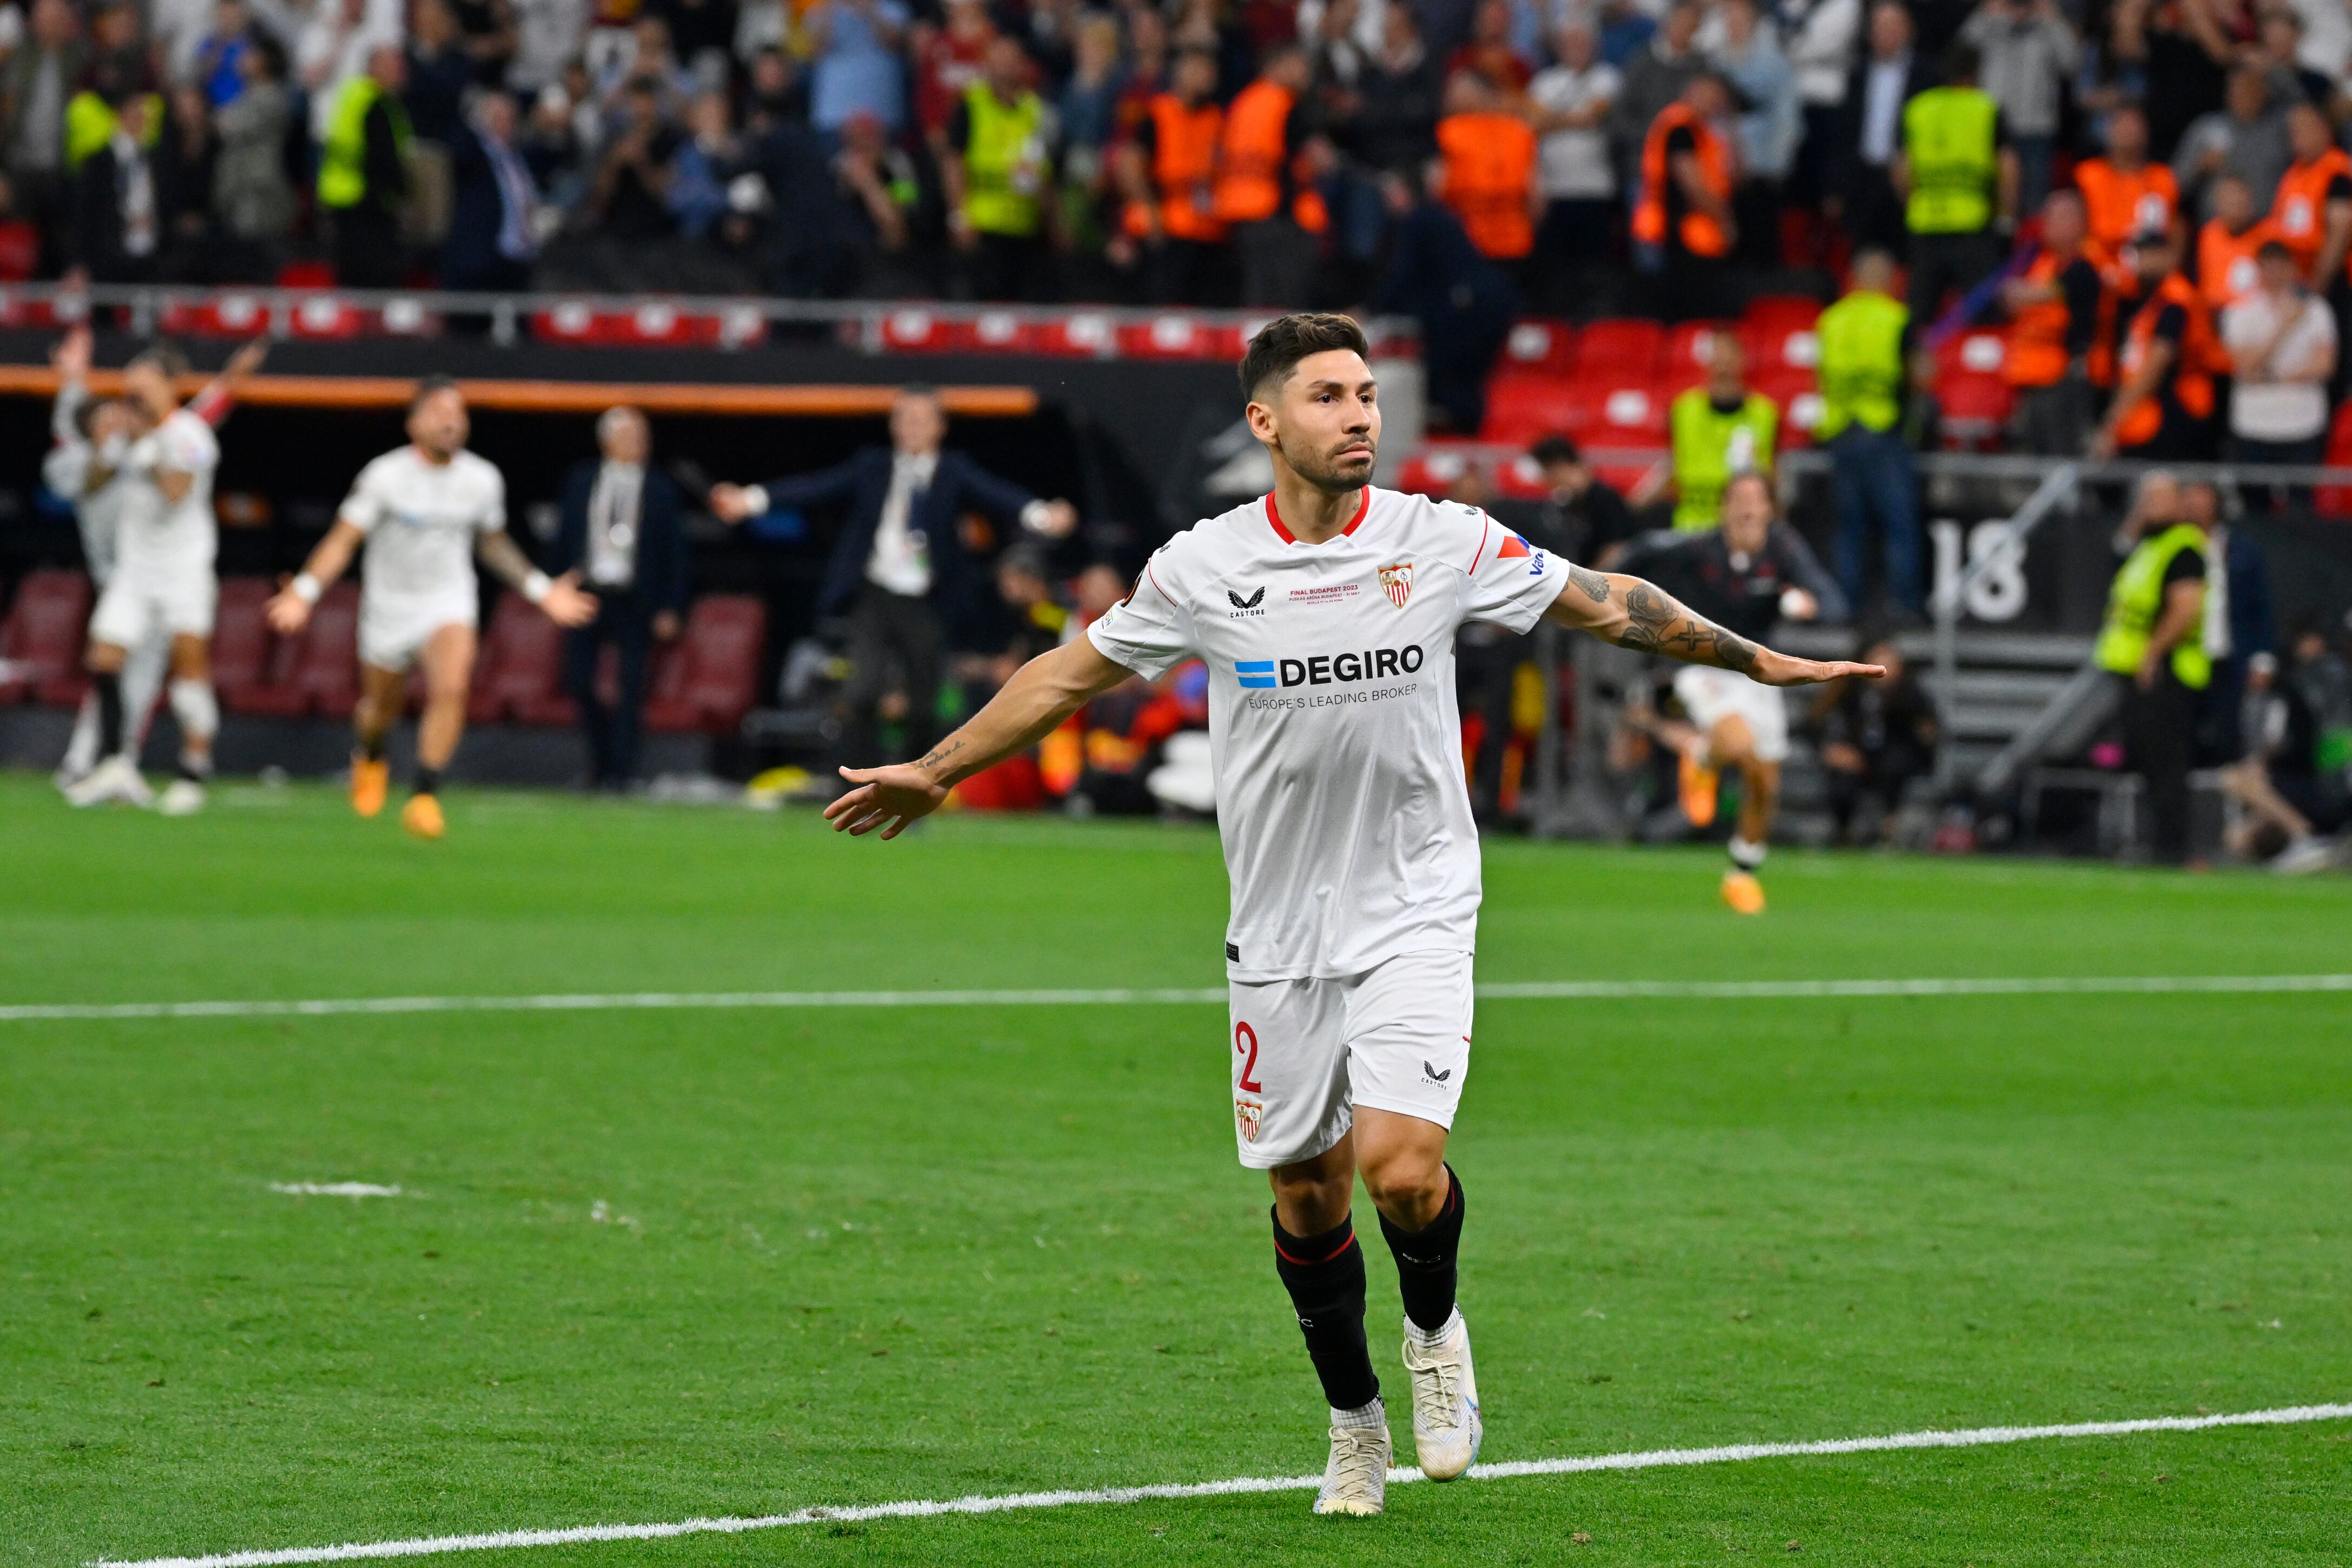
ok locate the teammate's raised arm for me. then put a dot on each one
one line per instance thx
(1041, 694)
(1639, 615)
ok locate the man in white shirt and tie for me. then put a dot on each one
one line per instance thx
(899, 570)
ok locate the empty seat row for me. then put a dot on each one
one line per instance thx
(704, 682)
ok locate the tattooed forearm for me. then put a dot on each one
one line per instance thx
(942, 754)
(1594, 585)
(1656, 623)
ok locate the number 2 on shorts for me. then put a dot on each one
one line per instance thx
(1243, 1032)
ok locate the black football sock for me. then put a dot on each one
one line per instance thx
(1325, 1277)
(1425, 1261)
(370, 748)
(109, 712)
(428, 781)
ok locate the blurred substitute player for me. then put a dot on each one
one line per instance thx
(424, 512)
(165, 541)
(88, 435)
(1746, 572)
(1327, 613)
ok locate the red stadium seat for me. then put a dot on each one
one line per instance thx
(20, 250)
(997, 332)
(1619, 347)
(325, 317)
(1524, 406)
(1976, 409)
(520, 673)
(318, 671)
(1082, 334)
(1627, 411)
(221, 316)
(305, 275)
(1779, 345)
(1801, 404)
(2335, 500)
(241, 640)
(1542, 345)
(1790, 311)
(42, 635)
(1970, 353)
(719, 675)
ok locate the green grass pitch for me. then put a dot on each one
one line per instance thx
(854, 1256)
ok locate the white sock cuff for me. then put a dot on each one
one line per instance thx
(1365, 1416)
(1746, 856)
(1431, 1339)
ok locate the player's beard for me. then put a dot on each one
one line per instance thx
(1326, 472)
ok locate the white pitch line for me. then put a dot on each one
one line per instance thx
(334, 1190)
(1974, 1437)
(1504, 990)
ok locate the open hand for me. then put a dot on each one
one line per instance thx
(288, 610)
(1780, 670)
(891, 799)
(729, 504)
(567, 604)
(71, 357)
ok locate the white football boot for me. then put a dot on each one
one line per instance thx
(181, 797)
(116, 778)
(1355, 1480)
(1445, 1425)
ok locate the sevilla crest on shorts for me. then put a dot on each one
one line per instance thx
(1396, 582)
(1246, 1115)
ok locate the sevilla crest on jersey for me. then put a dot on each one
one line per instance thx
(1396, 582)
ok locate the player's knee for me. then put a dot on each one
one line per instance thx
(1406, 1180)
(1317, 1200)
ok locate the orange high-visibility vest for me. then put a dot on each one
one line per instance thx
(1698, 232)
(2122, 204)
(2191, 382)
(2299, 211)
(1183, 169)
(2225, 261)
(2036, 355)
(1490, 160)
(1252, 162)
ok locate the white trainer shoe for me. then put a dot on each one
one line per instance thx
(1445, 1425)
(1355, 1480)
(116, 778)
(181, 797)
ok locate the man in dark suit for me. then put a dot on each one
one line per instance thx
(491, 240)
(620, 532)
(1890, 73)
(899, 569)
(122, 202)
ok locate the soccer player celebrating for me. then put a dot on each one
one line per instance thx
(1327, 613)
(1746, 572)
(423, 510)
(166, 539)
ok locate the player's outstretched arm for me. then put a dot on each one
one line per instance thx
(290, 608)
(1041, 694)
(562, 599)
(1640, 615)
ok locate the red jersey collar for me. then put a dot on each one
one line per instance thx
(1274, 516)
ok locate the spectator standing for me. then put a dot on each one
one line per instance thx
(2029, 52)
(1821, 38)
(1769, 127)
(547, 35)
(1890, 74)
(702, 32)
(621, 531)
(2180, 49)
(1959, 179)
(493, 235)
(947, 60)
(487, 37)
(438, 74)
(853, 45)
(220, 53)
(1569, 103)
(1462, 302)
(1490, 52)
(998, 171)
(252, 200)
(629, 202)
(1395, 127)
(2055, 310)
(2244, 138)
(2164, 405)
(1264, 190)
(1170, 169)
(2313, 215)
(36, 80)
(118, 213)
(2293, 78)
(330, 50)
(1864, 350)
(1718, 430)
(1653, 79)
(1683, 218)
(2283, 348)
(2124, 192)
(2153, 644)
(364, 172)
(1488, 164)
(899, 569)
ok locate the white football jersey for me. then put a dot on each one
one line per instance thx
(422, 520)
(1332, 720)
(156, 536)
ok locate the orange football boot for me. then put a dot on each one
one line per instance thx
(422, 816)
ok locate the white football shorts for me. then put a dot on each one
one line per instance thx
(1306, 1053)
(395, 628)
(1710, 696)
(139, 599)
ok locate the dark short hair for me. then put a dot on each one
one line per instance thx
(1962, 62)
(166, 357)
(1554, 450)
(426, 387)
(2273, 250)
(1279, 345)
